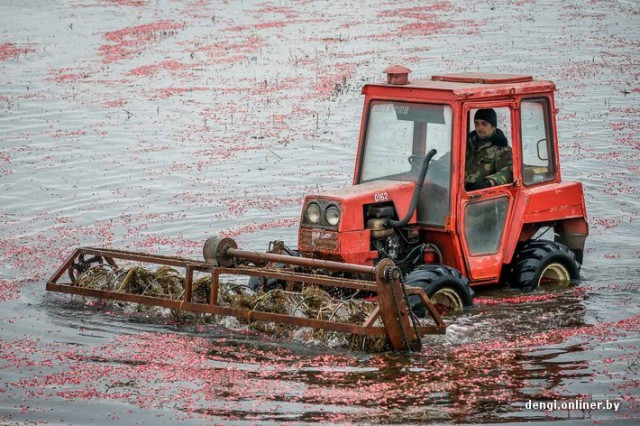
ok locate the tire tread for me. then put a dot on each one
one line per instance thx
(532, 255)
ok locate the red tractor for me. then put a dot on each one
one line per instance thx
(408, 201)
(408, 229)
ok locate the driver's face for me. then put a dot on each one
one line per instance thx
(484, 129)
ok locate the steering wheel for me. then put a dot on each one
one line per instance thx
(416, 163)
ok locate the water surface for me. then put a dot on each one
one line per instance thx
(150, 125)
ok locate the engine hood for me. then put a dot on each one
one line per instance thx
(352, 199)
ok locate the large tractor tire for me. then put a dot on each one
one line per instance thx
(267, 284)
(447, 288)
(543, 264)
(258, 284)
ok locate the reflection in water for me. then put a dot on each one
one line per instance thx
(484, 371)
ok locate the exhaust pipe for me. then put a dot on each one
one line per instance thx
(390, 223)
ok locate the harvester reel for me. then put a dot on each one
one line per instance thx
(215, 251)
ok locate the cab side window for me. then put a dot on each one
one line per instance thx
(488, 157)
(537, 142)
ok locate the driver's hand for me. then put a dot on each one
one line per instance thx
(478, 185)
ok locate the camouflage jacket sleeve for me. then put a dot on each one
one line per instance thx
(504, 168)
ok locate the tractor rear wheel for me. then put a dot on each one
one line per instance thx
(543, 264)
(447, 288)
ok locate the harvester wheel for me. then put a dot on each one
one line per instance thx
(215, 251)
(83, 264)
(543, 264)
(447, 288)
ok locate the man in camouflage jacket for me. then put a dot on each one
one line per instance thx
(488, 158)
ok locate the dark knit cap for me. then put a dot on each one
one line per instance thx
(488, 115)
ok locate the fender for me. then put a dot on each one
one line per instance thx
(545, 205)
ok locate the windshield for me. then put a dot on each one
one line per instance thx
(398, 136)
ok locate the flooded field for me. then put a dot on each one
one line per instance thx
(151, 125)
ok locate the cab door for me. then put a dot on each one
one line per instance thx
(485, 213)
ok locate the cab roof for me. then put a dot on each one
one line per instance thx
(465, 86)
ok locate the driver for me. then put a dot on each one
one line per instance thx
(488, 159)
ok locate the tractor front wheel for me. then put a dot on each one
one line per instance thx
(543, 264)
(447, 288)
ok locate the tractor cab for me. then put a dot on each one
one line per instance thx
(409, 201)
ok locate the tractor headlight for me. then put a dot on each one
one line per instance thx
(332, 215)
(313, 213)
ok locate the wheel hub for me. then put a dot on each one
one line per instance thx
(554, 275)
(447, 301)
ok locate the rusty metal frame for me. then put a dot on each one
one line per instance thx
(392, 308)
